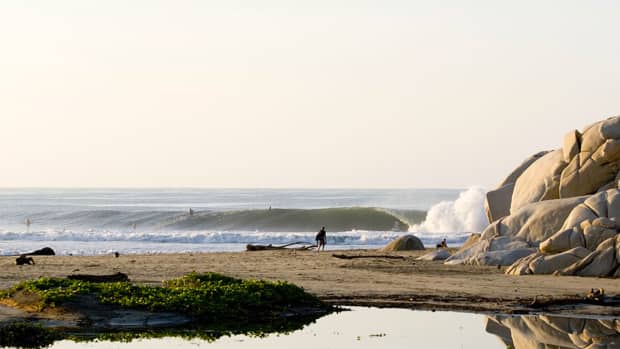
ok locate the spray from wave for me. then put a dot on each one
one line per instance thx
(464, 215)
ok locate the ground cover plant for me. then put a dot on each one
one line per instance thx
(209, 296)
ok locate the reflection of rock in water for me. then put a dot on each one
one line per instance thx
(525, 332)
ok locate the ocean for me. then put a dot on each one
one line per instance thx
(103, 221)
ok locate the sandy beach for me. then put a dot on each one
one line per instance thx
(384, 282)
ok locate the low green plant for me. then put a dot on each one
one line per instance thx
(210, 296)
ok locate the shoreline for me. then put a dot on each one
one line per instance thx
(378, 282)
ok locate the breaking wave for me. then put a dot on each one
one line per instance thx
(272, 220)
(465, 214)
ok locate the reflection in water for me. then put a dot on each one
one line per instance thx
(526, 332)
(369, 328)
(33, 335)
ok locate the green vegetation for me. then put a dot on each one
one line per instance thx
(207, 296)
(220, 305)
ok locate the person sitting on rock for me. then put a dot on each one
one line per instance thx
(442, 244)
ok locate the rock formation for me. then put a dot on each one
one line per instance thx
(558, 211)
(404, 243)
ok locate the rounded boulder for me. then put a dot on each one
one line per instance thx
(404, 243)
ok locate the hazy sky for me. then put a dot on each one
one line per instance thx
(296, 93)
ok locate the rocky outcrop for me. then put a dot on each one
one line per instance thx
(587, 244)
(541, 181)
(404, 243)
(557, 212)
(498, 201)
(520, 231)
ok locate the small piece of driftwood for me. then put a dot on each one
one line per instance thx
(344, 256)
(118, 277)
(250, 247)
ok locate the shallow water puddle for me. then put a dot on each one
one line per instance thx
(358, 328)
(402, 328)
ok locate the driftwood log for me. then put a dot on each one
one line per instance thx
(118, 277)
(304, 246)
(344, 256)
(23, 260)
(45, 251)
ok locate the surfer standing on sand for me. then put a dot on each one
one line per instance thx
(320, 239)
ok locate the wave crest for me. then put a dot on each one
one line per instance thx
(273, 220)
(465, 214)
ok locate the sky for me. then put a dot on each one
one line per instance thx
(305, 94)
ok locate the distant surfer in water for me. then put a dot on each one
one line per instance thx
(28, 223)
(320, 239)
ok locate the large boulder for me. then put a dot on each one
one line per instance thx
(604, 261)
(541, 263)
(534, 222)
(595, 161)
(540, 181)
(497, 203)
(404, 243)
(586, 245)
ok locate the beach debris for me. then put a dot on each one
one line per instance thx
(596, 294)
(116, 254)
(118, 277)
(344, 256)
(404, 243)
(303, 246)
(24, 260)
(45, 251)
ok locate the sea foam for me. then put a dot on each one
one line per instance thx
(465, 214)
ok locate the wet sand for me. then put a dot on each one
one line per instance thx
(364, 281)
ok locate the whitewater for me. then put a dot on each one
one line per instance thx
(103, 221)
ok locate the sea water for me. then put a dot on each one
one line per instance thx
(100, 221)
